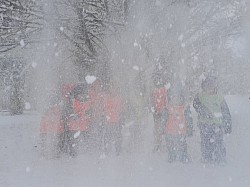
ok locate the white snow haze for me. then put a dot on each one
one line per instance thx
(82, 83)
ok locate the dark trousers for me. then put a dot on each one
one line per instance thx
(73, 142)
(158, 131)
(112, 135)
(212, 144)
(177, 148)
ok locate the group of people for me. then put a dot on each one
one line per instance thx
(87, 117)
(173, 119)
(96, 114)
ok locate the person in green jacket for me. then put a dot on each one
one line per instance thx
(214, 120)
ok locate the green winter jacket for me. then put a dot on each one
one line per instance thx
(213, 110)
(212, 104)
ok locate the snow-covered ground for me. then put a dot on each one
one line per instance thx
(21, 164)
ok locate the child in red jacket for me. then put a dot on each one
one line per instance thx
(179, 125)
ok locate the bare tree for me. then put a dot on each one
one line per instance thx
(84, 25)
(20, 21)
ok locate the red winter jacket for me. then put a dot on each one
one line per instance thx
(159, 99)
(82, 119)
(176, 121)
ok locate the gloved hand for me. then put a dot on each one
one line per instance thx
(228, 129)
(73, 117)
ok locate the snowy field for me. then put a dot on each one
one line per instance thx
(22, 166)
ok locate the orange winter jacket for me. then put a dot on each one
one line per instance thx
(51, 121)
(82, 119)
(176, 122)
(159, 99)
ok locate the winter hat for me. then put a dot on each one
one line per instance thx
(209, 83)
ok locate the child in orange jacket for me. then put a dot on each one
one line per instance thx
(179, 125)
